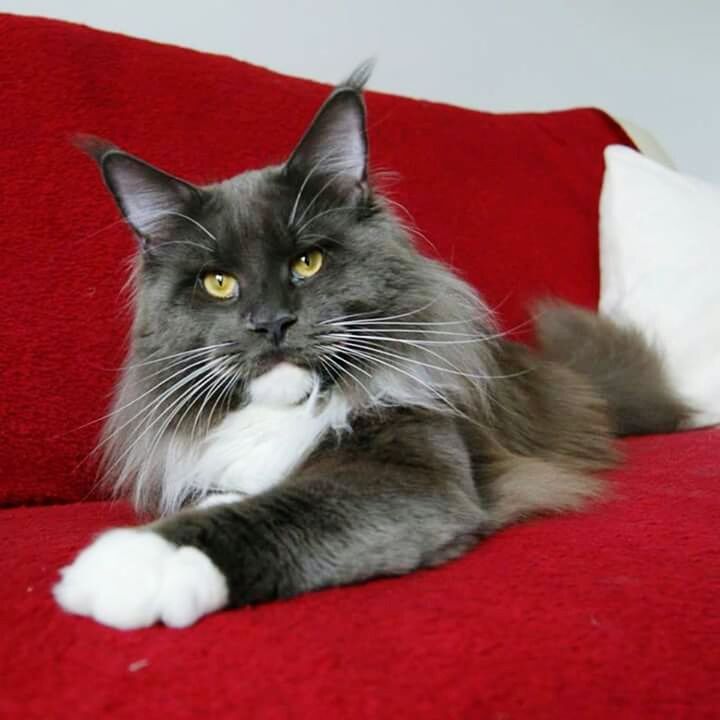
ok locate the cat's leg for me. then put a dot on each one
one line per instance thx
(331, 529)
(345, 516)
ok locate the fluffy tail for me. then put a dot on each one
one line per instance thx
(622, 366)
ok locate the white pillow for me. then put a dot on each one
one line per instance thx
(660, 269)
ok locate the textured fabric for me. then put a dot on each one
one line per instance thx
(510, 200)
(657, 226)
(609, 614)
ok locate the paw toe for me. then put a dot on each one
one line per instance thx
(192, 587)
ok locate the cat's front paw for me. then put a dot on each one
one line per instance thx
(132, 578)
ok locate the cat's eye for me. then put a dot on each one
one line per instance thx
(307, 264)
(220, 285)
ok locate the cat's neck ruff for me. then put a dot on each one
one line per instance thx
(258, 445)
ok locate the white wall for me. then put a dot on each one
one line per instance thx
(654, 62)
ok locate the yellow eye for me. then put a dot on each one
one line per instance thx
(220, 285)
(307, 265)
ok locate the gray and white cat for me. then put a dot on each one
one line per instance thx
(309, 401)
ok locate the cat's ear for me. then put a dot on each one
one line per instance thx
(149, 198)
(336, 144)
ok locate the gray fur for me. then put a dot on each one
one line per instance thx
(619, 362)
(453, 431)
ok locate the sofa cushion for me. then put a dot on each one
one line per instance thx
(659, 255)
(509, 200)
(609, 614)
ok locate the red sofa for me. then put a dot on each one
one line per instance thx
(613, 613)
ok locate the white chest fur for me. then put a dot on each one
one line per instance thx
(258, 446)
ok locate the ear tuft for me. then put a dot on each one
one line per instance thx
(93, 146)
(360, 75)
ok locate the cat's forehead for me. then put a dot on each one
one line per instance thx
(252, 208)
(251, 197)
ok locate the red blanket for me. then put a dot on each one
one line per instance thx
(609, 614)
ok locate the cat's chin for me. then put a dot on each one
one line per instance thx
(284, 383)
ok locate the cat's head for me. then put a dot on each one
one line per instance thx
(302, 263)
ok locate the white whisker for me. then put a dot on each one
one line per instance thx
(415, 341)
(434, 391)
(387, 353)
(457, 371)
(318, 236)
(379, 328)
(311, 172)
(335, 320)
(420, 331)
(225, 393)
(386, 321)
(194, 363)
(179, 354)
(155, 404)
(338, 363)
(146, 426)
(410, 226)
(193, 393)
(221, 380)
(345, 208)
(389, 317)
(426, 350)
(110, 438)
(193, 221)
(317, 195)
(165, 243)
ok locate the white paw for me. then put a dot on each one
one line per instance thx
(134, 578)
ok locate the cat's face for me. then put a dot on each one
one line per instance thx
(251, 274)
(301, 263)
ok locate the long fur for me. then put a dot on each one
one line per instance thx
(619, 362)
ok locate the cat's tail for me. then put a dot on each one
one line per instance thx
(622, 366)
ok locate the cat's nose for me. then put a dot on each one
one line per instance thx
(273, 325)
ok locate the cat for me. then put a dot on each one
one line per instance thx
(309, 401)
